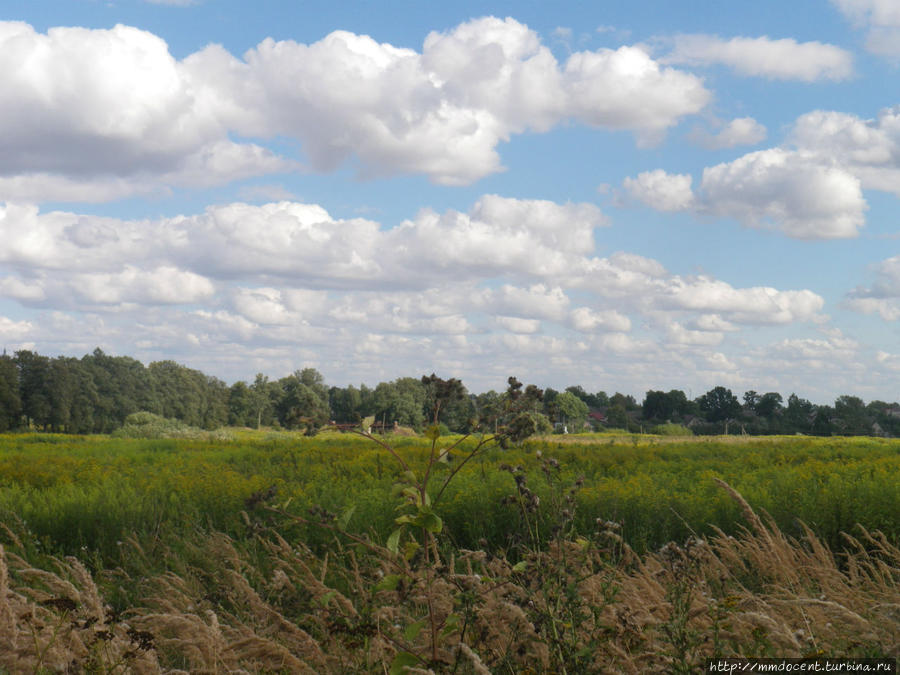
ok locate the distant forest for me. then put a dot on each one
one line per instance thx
(97, 393)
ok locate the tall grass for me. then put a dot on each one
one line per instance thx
(93, 491)
(583, 603)
(271, 553)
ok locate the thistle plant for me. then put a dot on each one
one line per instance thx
(412, 551)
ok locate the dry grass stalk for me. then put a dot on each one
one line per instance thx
(759, 593)
(474, 660)
(52, 623)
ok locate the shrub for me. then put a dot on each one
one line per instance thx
(671, 429)
(150, 425)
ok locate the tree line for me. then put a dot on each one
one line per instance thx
(97, 393)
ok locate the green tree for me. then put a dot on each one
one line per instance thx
(823, 421)
(664, 406)
(401, 401)
(799, 414)
(751, 399)
(487, 406)
(719, 405)
(10, 402)
(658, 406)
(851, 415)
(572, 411)
(123, 387)
(34, 377)
(366, 401)
(593, 401)
(180, 392)
(627, 401)
(769, 404)
(84, 404)
(263, 397)
(517, 414)
(73, 396)
(549, 400)
(884, 413)
(241, 412)
(214, 412)
(449, 402)
(579, 392)
(346, 404)
(617, 416)
(303, 401)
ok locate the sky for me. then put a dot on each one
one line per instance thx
(621, 195)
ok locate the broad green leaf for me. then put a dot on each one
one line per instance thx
(520, 566)
(410, 548)
(393, 542)
(433, 432)
(389, 583)
(432, 522)
(367, 422)
(451, 625)
(411, 632)
(412, 494)
(407, 520)
(402, 661)
(345, 516)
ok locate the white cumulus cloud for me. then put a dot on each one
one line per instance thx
(712, 322)
(883, 296)
(661, 191)
(777, 59)
(627, 89)
(870, 149)
(680, 335)
(810, 187)
(740, 131)
(14, 331)
(790, 191)
(756, 305)
(98, 114)
(442, 111)
(484, 291)
(793, 192)
(881, 19)
(515, 324)
(109, 112)
(588, 320)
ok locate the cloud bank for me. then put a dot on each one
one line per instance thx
(880, 19)
(465, 288)
(810, 187)
(782, 59)
(94, 115)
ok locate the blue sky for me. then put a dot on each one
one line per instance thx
(622, 195)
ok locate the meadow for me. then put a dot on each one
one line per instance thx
(291, 546)
(92, 491)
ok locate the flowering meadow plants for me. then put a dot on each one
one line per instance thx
(92, 491)
(341, 554)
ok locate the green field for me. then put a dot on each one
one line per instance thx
(599, 522)
(92, 491)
